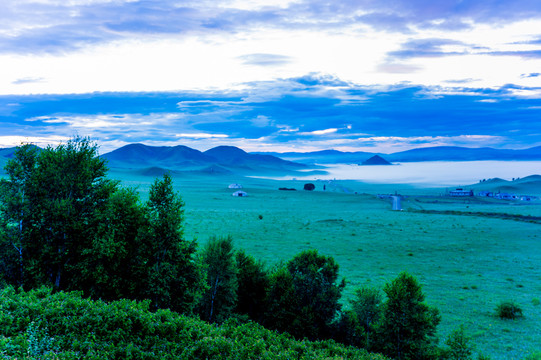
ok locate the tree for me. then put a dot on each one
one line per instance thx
(15, 210)
(367, 305)
(408, 326)
(253, 282)
(304, 297)
(50, 209)
(281, 300)
(357, 325)
(111, 260)
(167, 271)
(458, 346)
(219, 301)
(69, 191)
(64, 224)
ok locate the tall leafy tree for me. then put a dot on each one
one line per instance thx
(219, 301)
(167, 270)
(408, 326)
(69, 189)
(50, 208)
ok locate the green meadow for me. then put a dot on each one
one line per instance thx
(469, 254)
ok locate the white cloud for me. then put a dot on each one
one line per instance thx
(41, 141)
(320, 132)
(201, 135)
(104, 121)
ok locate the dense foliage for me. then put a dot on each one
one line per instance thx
(40, 324)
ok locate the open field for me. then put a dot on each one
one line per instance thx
(467, 262)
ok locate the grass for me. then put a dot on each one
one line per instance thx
(462, 261)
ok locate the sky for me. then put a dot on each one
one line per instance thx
(272, 75)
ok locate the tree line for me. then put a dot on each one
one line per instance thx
(64, 224)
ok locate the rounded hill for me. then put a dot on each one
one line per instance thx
(376, 160)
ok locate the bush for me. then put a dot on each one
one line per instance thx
(508, 310)
(40, 324)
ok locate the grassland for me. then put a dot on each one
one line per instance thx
(467, 261)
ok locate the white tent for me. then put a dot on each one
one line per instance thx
(240, 194)
(235, 186)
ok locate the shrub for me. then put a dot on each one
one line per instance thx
(40, 324)
(508, 310)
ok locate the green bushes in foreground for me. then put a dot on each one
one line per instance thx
(41, 325)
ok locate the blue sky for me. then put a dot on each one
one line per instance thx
(273, 75)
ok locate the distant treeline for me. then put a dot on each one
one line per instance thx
(66, 226)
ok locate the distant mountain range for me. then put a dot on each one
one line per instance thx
(151, 160)
(154, 160)
(436, 153)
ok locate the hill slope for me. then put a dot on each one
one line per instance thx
(235, 157)
(529, 185)
(435, 153)
(141, 156)
(216, 161)
(376, 160)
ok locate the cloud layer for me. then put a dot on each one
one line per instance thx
(307, 113)
(287, 74)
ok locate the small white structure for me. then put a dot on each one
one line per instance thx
(239, 194)
(506, 196)
(397, 203)
(460, 193)
(235, 186)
